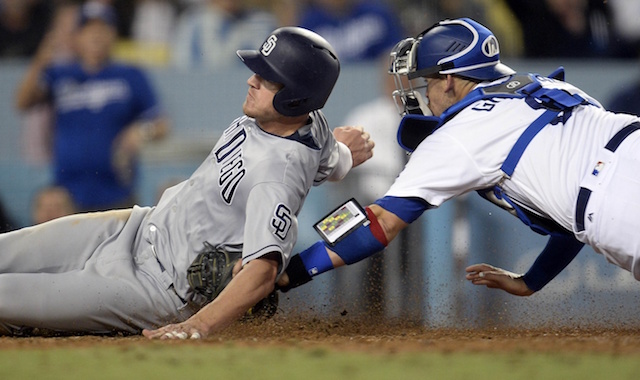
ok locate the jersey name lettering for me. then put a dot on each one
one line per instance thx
(232, 170)
(485, 105)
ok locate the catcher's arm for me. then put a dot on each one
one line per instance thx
(558, 253)
(253, 283)
(355, 246)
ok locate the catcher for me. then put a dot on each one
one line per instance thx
(534, 145)
(140, 269)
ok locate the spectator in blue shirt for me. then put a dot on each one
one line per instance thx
(358, 30)
(103, 113)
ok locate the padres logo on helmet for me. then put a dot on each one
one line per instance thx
(269, 45)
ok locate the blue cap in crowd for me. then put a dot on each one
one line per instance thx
(94, 10)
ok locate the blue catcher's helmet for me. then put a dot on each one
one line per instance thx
(302, 61)
(459, 47)
(462, 47)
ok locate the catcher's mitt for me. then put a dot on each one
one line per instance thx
(212, 270)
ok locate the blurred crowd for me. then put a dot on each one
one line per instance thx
(205, 33)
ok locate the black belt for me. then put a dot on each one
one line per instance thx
(584, 193)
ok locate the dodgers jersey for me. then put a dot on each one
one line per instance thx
(91, 109)
(245, 196)
(466, 153)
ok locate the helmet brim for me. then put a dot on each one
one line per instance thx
(256, 63)
(488, 73)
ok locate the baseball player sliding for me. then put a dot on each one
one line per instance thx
(147, 267)
(535, 146)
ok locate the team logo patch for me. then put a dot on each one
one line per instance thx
(281, 221)
(269, 45)
(490, 47)
(513, 84)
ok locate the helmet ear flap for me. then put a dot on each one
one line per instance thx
(288, 106)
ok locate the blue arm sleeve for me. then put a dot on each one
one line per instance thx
(407, 209)
(558, 253)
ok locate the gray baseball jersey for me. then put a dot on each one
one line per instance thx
(125, 270)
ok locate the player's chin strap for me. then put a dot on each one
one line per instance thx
(351, 232)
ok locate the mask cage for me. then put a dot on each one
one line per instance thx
(408, 94)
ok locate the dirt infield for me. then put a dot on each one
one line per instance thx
(387, 337)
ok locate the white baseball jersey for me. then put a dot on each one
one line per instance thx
(466, 153)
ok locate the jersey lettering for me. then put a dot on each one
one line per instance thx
(485, 105)
(94, 96)
(232, 170)
(281, 221)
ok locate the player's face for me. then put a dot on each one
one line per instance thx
(438, 95)
(259, 101)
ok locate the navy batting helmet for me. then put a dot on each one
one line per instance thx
(303, 62)
(462, 47)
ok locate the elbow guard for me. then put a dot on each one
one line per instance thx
(352, 233)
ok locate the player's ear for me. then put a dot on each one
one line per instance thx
(450, 83)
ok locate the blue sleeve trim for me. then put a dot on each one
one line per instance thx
(557, 254)
(407, 209)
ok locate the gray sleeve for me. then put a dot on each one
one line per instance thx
(330, 154)
(271, 222)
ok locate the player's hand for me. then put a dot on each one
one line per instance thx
(126, 148)
(46, 51)
(497, 278)
(189, 329)
(357, 140)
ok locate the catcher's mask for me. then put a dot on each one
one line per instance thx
(302, 61)
(462, 47)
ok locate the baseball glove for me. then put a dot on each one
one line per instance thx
(212, 270)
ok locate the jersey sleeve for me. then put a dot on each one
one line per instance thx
(329, 149)
(560, 250)
(438, 170)
(47, 79)
(271, 222)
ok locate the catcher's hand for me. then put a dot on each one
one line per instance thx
(212, 270)
(497, 278)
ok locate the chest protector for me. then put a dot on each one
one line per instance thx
(557, 104)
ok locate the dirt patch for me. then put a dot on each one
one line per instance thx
(385, 337)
